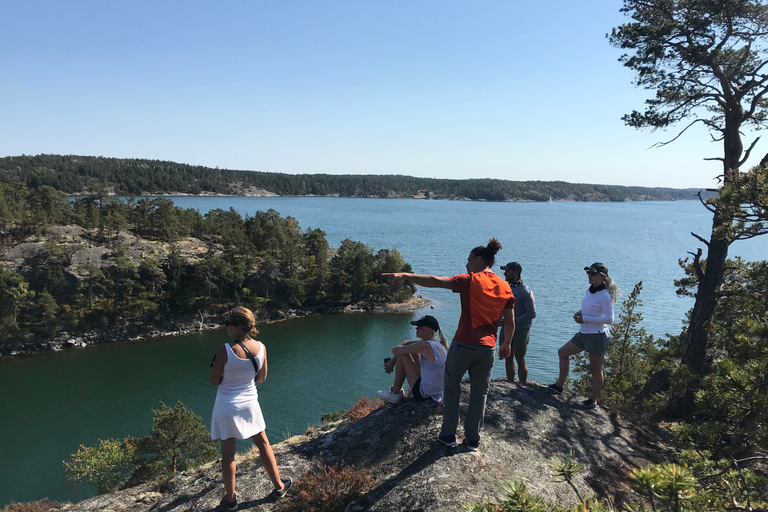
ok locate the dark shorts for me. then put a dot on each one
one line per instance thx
(591, 343)
(417, 391)
(520, 341)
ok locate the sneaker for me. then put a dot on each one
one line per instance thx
(287, 484)
(587, 404)
(449, 441)
(472, 447)
(558, 390)
(388, 396)
(229, 505)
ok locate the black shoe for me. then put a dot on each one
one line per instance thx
(229, 505)
(558, 390)
(472, 447)
(287, 484)
(587, 404)
(449, 441)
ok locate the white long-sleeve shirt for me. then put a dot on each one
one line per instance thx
(597, 312)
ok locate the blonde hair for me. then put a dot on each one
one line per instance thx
(243, 318)
(443, 340)
(611, 287)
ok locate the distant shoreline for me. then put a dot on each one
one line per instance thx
(213, 194)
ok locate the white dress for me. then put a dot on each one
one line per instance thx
(236, 412)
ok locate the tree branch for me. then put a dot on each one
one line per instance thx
(697, 259)
(748, 151)
(662, 144)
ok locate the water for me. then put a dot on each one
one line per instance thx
(54, 402)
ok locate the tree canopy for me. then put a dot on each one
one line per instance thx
(706, 61)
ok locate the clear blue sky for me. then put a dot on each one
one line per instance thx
(499, 89)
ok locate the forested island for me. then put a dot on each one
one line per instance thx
(127, 176)
(101, 264)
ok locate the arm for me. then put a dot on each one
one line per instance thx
(419, 279)
(415, 347)
(505, 349)
(262, 375)
(217, 372)
(606, 304)
(530, 310)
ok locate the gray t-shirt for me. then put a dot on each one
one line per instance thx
(525, 307)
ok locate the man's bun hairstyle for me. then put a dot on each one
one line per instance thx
(488, 252)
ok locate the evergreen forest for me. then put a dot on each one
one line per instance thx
(77, 174)
(99, 262)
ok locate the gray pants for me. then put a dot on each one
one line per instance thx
(478, 360)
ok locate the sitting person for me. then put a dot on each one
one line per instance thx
(421, 361)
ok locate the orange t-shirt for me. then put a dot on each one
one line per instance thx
(484, 295)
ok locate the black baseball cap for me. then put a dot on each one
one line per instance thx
(428, 321)
(598, 267)
(513, 265)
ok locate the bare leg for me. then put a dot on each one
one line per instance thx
(564, 354)
(598, 379)
(228, 449)
(267, 457)
(407, 366)
(509, 365)
(522, 368)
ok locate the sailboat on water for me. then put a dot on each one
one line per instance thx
(550, 200)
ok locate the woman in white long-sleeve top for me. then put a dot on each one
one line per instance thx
(594, 318)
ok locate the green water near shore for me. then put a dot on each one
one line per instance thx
(53, 402)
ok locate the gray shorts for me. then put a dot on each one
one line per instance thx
(520, 341)
(591, 343)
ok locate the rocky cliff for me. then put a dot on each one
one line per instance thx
(525, 427)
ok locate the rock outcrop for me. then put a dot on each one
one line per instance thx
(525, 427)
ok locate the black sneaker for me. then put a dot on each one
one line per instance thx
(449, 441)
(587, 404)
(287, 484)
(472, 447)
(229, 505)
(558, 390)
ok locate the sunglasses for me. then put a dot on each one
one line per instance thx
(228, 323)
(592, 272)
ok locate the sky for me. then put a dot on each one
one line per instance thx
(508, 89)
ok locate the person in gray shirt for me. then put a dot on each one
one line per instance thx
(525, 312)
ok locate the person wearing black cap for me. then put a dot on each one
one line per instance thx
(594, 318)
(525, 312)
(485, 297)
(421, 361)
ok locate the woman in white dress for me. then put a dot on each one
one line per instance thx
(237, 367)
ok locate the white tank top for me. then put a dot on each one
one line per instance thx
(432, 373)
(239, 374)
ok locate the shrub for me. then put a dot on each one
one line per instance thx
(363, 407)
(329, 488)
(44, 505)
(330, 417)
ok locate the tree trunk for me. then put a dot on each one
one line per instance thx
(695, 350)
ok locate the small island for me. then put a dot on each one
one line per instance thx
(99, 268)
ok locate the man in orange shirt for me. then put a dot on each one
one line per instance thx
(484, 297)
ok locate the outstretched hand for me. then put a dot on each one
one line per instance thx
(393, 277)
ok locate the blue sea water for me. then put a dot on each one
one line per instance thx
(54, 402)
